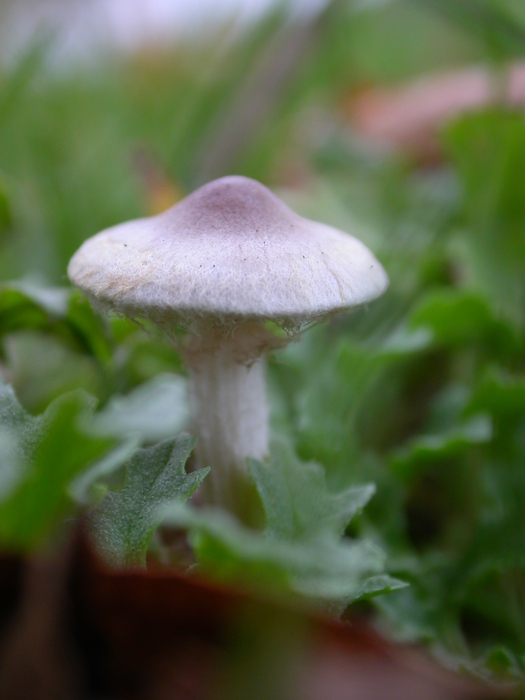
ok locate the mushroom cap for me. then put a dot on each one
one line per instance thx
(229, 251)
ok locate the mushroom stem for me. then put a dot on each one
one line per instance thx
(227, 375)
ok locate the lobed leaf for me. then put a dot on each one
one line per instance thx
(125, 521)
(301, 551)
(49, 451)
(296, 500)
(326, 572)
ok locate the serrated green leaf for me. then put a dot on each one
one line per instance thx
(51, 449)
(301, 550)
(124, 522)
(324, 571)
(13, 416)
(296, 500)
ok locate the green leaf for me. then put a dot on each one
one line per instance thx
(490, 574)
(499, 394)
(425, 449)
(379, 585)
(296, 500)
(459, 317)
(301, 551)
(63, 312)
(323, 571)
(10, 468)
(13, 416)
(502, 664)
(125, 521)
(88, 485)
(154, 411)
(345, 393)
(51, 450)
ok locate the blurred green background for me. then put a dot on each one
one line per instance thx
(424, 391)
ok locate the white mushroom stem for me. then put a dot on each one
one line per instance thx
(227, 375)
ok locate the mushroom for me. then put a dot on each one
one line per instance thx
(222, 263)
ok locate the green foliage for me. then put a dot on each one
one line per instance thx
(457, 317)
(422, 394)
(488, 149)
(124, 522)
(440, 446)
(27, 306)
(296, 501)
(154, 411)
(43, 455)
(491, 21)
(301, 550)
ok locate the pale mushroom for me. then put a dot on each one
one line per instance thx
(222, 263)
